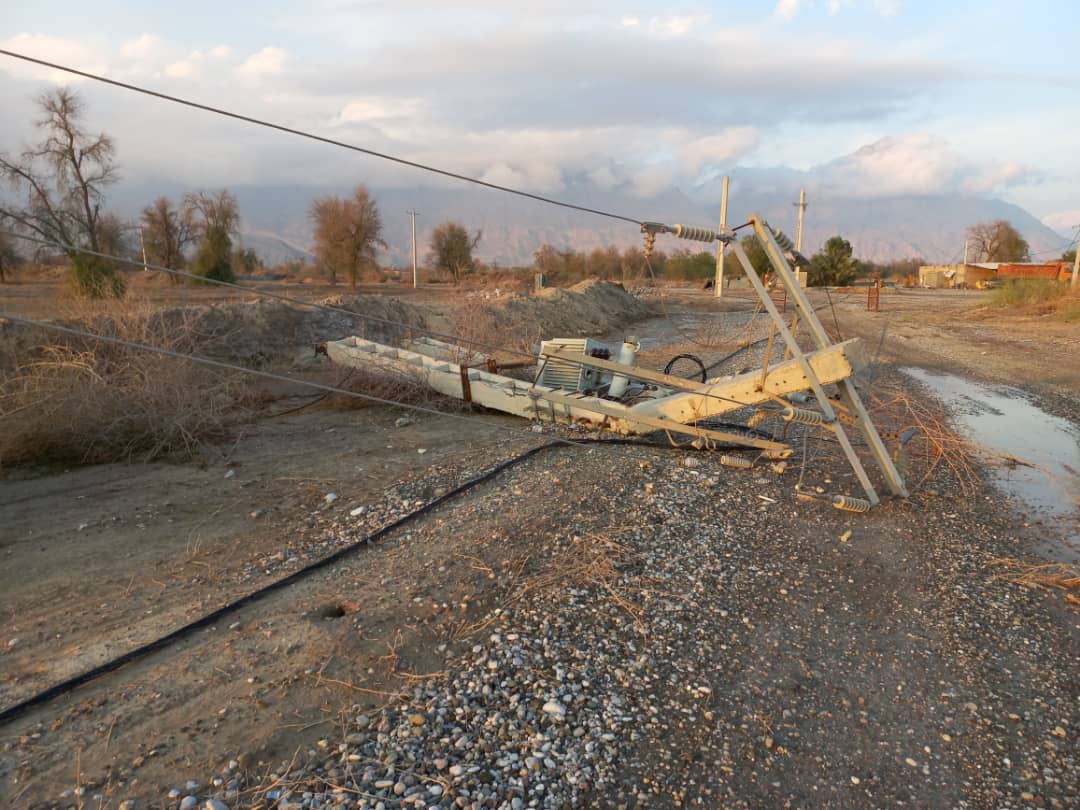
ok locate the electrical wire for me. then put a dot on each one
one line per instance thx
(327, 307)
(269, 375)
(312, 136)
(268, 294)
(58, 690)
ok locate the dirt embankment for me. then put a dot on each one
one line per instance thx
(266, 331)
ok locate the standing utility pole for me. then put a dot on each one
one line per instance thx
(966, 243)
(801, 205)
(413, 213)
(142, 247)
(718, 284)
(1076, 263)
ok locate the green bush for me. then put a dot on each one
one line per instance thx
(95, 277)
(1028, 292)
(214, 260)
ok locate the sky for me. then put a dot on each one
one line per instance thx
(862, 97)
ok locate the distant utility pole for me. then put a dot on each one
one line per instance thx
(142, 247)
(718, 283)
(413, 213)
(801, 205)
(966, 243)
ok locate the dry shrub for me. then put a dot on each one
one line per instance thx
(478, 323)
(935, 444)
(72, 399)
(403, 387)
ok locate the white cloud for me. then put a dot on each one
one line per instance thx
(377, 108)
(631, 22)
(141, 47)
(787, 9)
(677, 25)
(532, 177)
(603, 178)
(184, 68)
(918, 163)
(270, 61)
(51, 49)
(727, 145)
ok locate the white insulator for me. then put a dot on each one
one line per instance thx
(783, 240)
(736, 461)
(850, 504)
(803, 416)
(627, 355)
(695, 233)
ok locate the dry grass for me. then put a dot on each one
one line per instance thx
(477, 321)
(1055, 576)
(935, 445)
(404, 387)
(69, 399)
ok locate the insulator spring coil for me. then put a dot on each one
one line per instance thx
(782, 239)
(850, 504)
(803, 416)
(695, 233)
(736, 461)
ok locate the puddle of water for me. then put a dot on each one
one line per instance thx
(1004, 420)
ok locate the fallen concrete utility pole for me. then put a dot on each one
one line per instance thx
(576, 382)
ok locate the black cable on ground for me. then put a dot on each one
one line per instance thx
(58, 690)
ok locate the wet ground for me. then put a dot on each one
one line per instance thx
(1033, 457)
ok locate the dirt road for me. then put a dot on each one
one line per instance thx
(718, 644)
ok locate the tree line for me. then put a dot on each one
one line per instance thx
(59, 186)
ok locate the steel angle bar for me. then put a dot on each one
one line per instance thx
(848, 394)
(815, 385)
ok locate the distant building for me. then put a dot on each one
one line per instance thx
(957, 276)
(1057, 271)
(974, 275)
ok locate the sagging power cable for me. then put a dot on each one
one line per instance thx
(313, 137)
(269, 375)
(326, 307)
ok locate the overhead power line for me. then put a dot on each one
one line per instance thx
(312, 305)
(312, 136)
(268, 294)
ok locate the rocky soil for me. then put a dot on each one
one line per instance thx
(646, 628)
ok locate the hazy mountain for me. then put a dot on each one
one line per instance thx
(276, 224)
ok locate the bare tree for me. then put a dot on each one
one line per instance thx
(63, 178)
(998, 241)
(452, 249)
(347, 232)
(167, 233)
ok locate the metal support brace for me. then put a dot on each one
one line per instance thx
(848, 394)
(797, 353)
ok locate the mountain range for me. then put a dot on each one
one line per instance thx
(277, 227)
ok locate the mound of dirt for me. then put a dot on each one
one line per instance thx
(263, 331)
(266, 330)
(590, 307)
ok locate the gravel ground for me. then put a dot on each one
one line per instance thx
(694, 636)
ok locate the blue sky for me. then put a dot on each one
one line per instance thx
(871, 97)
